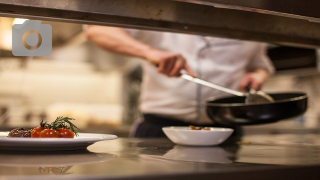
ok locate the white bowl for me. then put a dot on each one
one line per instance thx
(185, 136)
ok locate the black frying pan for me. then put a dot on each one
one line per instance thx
(232, 111)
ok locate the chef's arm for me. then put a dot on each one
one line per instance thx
(255, 78)
(258, 70)
(118, 41)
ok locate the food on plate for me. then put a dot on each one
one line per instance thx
(62, 127)
(198, 128)
(20, 132)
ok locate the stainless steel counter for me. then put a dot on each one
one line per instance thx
(251, 157)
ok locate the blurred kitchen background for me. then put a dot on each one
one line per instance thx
(101, 89)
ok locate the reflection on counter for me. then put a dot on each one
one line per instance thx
(52, 159)
(62, 170)
(197, 154)
(51, 163)
(152, 157)
(282, 149)
(213, 154)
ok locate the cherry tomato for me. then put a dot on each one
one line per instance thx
(36, 131)
(49, 133)
(65, 133)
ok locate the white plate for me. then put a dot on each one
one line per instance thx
(43, 144)
(185, 136)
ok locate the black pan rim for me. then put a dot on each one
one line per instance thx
(303, 95)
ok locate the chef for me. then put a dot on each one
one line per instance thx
(167, 100)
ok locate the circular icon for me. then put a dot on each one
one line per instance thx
(32, 39)
(28, 42)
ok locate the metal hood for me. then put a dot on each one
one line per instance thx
(285, 22)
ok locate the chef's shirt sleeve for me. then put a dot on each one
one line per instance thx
(133, 32)
(152, 38)
(260, 59)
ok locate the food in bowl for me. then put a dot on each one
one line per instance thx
(62, 127)
(199, 128)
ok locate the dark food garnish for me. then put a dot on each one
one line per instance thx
(60, 122)
(64, 122)
(20, 132)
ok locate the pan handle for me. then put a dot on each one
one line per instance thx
(184, 75)
(211, 85)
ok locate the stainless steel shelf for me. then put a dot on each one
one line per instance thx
(183, 17)
(288, 8)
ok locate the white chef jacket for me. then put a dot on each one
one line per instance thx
(217, 60)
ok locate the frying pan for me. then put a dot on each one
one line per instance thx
(232, 110)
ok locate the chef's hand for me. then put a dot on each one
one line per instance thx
(255, 79)
(168, 63)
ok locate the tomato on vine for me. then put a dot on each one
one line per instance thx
(36, 131)
(61, 127)
(49, 133)
(65, 133)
